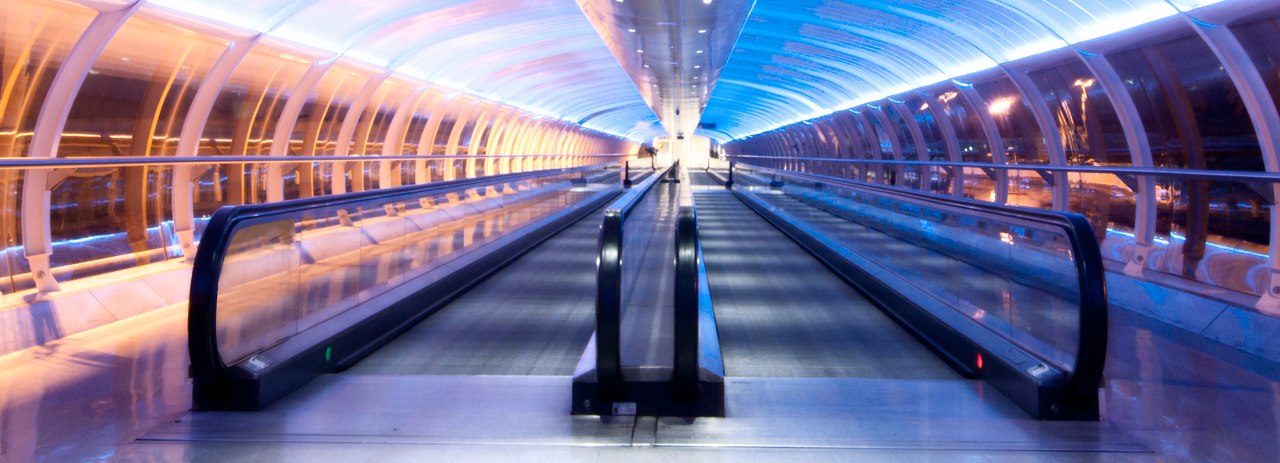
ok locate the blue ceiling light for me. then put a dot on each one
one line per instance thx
(794, 55)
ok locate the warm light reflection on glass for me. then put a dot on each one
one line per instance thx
(1000, 107)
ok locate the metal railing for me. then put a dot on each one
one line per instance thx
(1232, 175)
(1195, 231)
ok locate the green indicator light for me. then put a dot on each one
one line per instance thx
(328, 354)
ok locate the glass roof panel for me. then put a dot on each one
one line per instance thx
(539, 55)
(798, 59)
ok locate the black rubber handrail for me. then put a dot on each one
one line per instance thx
(685, 373)
(1086, 375)
(209, 373)
(609, 284)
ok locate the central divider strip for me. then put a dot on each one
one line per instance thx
(656, 351)
(609, 284)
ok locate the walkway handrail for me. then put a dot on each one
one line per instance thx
(1223, 175)
(688, 253)
(1082, 383)
(609, 295)
(689, 272)
(210, 373)
(130, 161)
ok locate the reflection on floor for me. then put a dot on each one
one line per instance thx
(383, 414)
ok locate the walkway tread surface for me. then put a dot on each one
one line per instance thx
(781, 312)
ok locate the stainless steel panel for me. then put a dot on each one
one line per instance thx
(349, 408)
(883, 414)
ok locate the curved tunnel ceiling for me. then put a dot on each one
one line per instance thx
(738, 67)
(801, 59)
(539, 55)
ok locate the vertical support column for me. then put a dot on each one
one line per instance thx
(1266, 123)
(1195, 191)
(492, 166)
(1049, 129)
(844, 145)
(565, 142)
(994, 142)
(951, 142)
(846, 121)
(917, 137)
(37, 239)
(1139, 150)
(578, 142)
(310, 138)
(828, 148)
(524, 145)
(543, 142)
(394, 143)
(184, 176)
(560, 147)
(894, 142)
(510, 146)
(350, 122)
(441, 107)
(360, 141)
(815, 142)
(502, 143)
(136, 185)
(451, 149)
(546, 145)
(285, 124)
(874, 141)
(477, 135)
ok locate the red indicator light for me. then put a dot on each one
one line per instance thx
(979, 361)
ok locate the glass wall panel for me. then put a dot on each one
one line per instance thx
(884, 135)
(440, 140)
(869, 145)
(901, 127)
(1088, 126)
(133, 102)
(1023, 141)
(371, 133)
(412, 138)
(35, 37)
(973, 142)
(935, 179)
(1029, 189)
(933, 140)
(242, 123)
(1259, 40)
(1195, 118)
(464, 140)
(1091, 134)
(321, 125)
